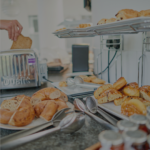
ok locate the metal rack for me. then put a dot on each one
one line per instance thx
(129, 26)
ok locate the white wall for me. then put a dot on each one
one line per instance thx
(132, 43)
(22, 18)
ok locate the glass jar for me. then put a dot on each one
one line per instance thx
(111, 140)
(126, 125)
(140, 120)
(135, 139)
(148, 143)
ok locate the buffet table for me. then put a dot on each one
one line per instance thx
(79, 140)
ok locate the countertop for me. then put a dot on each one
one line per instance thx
(80, 140)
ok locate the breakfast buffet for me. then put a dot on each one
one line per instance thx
(124, 106)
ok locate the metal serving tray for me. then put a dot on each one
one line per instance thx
(129, 26)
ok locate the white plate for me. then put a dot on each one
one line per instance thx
(113, 109)
(73, 91)
(34, 123)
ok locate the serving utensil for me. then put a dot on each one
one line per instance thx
(91, 104)
(71, 123)
(54, 121)
(78, 81)
(80, 105)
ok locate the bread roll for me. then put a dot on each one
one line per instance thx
(23, 115)
(126, 14)
(85, 78)
(120, 100)
(108, 96)
(121, 82)
(63, 84)
(45, 94)
(98, 81)
(132, 107)
(102, 21)
(63, 96)
(10, 104)
(131, 89)
(49, 110)
(39, 107)
(111, 20)
(145, 92)
(144, 13)
(101, 89)
(91, 78)
(61, 104)
(5, 116)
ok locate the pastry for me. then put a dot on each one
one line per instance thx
(120, 83)
(63, 84)
(23, 115)
(131, 89)
(98, 81)
(61, 104)
(22, 43)
(101, 89)
(91, 78)
(49, 110)
(145, 92)
(61, 29)
(85, 78)
(109, 95)
(102, 21)
(84, 25)
(144, 13)
(126, 14)
(120, 100)
(110, 20)
(132, 107)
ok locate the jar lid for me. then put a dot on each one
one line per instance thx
(148, 124)
(109, 137)
(137, 136)
(127, 125)
(148, 139)
(139, 119)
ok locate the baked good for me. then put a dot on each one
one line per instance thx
(120, 100)
(132, 107)
(101, 89)
(144, 13)
(61, 104)
(63, 96)
(45, 94)
(145, 92)
(85, 78)
(131, 89)
(5, 115)
(49, 110)
(10, 104)
(61, 29)
(109, 95)
(121, 82)
(63, 84)
(84, 25)
(126, 14)
(102, 21)
(111, 20)
(23, 115)
(98, 81)
(92, 77)
(22, 43)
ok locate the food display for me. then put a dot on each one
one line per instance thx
(63, 84)
(125, 14)
(21, 110)
(131, 98)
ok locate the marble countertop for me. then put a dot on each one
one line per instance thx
(80, 140)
